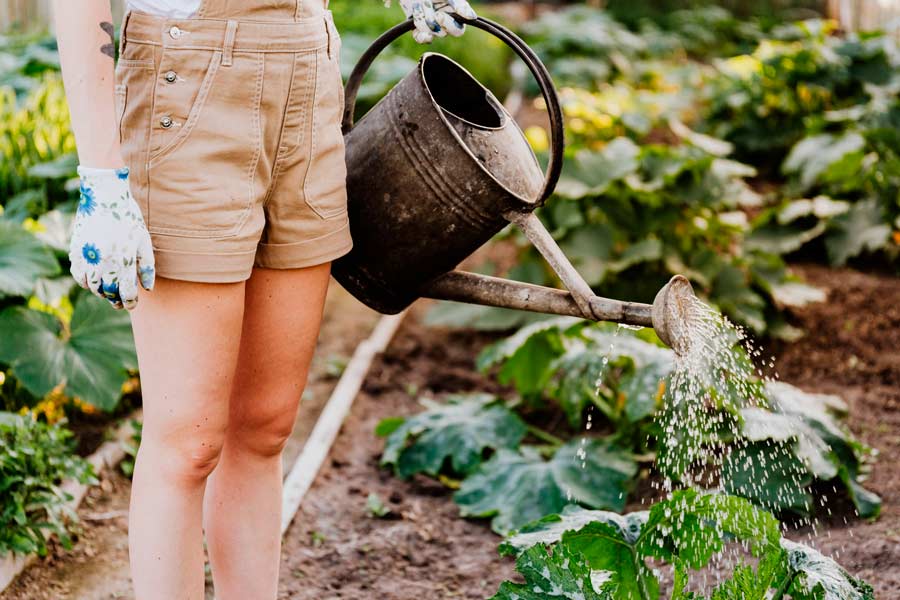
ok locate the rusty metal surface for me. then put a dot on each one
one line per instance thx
(420, 201)
(495, 291)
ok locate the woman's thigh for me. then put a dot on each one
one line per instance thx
(282, 315)
(187, 336)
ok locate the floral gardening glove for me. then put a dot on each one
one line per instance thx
(432, 18)
(110, 248)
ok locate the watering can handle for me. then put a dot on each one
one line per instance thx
(531, 60)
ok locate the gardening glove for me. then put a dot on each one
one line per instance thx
(433, 18)
(110, 248)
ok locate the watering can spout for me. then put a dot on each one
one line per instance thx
(668, 315)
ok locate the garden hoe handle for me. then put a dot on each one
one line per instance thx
(531, 60)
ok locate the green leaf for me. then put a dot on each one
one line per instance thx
(53, 229)
(862, 228)
(770, 474)
(91, 357)
(867, 504)
(642, 388)
(459, 431)
(759, 424)
(514, 488)
(609, 547)
(817, 577)
(388, 425)
(562, 574)
(589, 248)
(782, 239)
(23, 259)
(527, 355)
(589, 173)
(690, 527)
(375, 506)
(747, 584)
(472, 316)
(813, 155)
(58, 168)
(550, 529)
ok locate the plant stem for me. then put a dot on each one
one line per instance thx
(545, 436)
(782, 589)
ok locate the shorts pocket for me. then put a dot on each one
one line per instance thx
(325, 181)
(205, 143)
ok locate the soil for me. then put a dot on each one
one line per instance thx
(336, 549)
(852, 349)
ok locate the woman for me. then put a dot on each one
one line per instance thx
(212, 173)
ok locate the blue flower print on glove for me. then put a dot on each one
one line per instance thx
(110, 250)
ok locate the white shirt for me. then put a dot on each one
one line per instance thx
(173, 9)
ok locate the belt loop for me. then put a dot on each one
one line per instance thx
(228, 51)
(327, 33)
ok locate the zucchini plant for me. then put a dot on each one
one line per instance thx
(597, 555)
(508, 467)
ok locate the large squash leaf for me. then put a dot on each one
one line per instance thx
(690, 527)
(562, 574)
(526, 357)
(23, 259)
(459, 431)
(817, 577)
(860, 229)
(686, 530)
(787, 448)
(515, 488)
(550, 529)
(89, 355)
(607, 540)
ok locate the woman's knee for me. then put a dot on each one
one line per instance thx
(186, 457)
(264, 431)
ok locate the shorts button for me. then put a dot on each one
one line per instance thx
(166, 122)
(171, 76)
(174, 32)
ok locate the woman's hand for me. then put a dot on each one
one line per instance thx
(433, 18)
(110, 250)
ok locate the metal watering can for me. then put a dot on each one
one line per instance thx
(437, 168)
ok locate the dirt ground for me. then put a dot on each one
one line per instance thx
(335, 549)
(852, 349)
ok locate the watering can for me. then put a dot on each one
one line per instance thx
(436, 169)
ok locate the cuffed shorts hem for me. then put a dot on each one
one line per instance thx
(306, 253)
(204, 267)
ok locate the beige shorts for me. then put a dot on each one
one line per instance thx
(232, 133)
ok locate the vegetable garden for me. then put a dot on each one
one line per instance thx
(501, 454)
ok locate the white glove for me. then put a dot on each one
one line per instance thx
(110, 248)
(432, 17)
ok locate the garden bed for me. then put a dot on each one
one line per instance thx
(337, 549)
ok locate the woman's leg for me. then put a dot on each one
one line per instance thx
(187, 336)
(242, 516)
